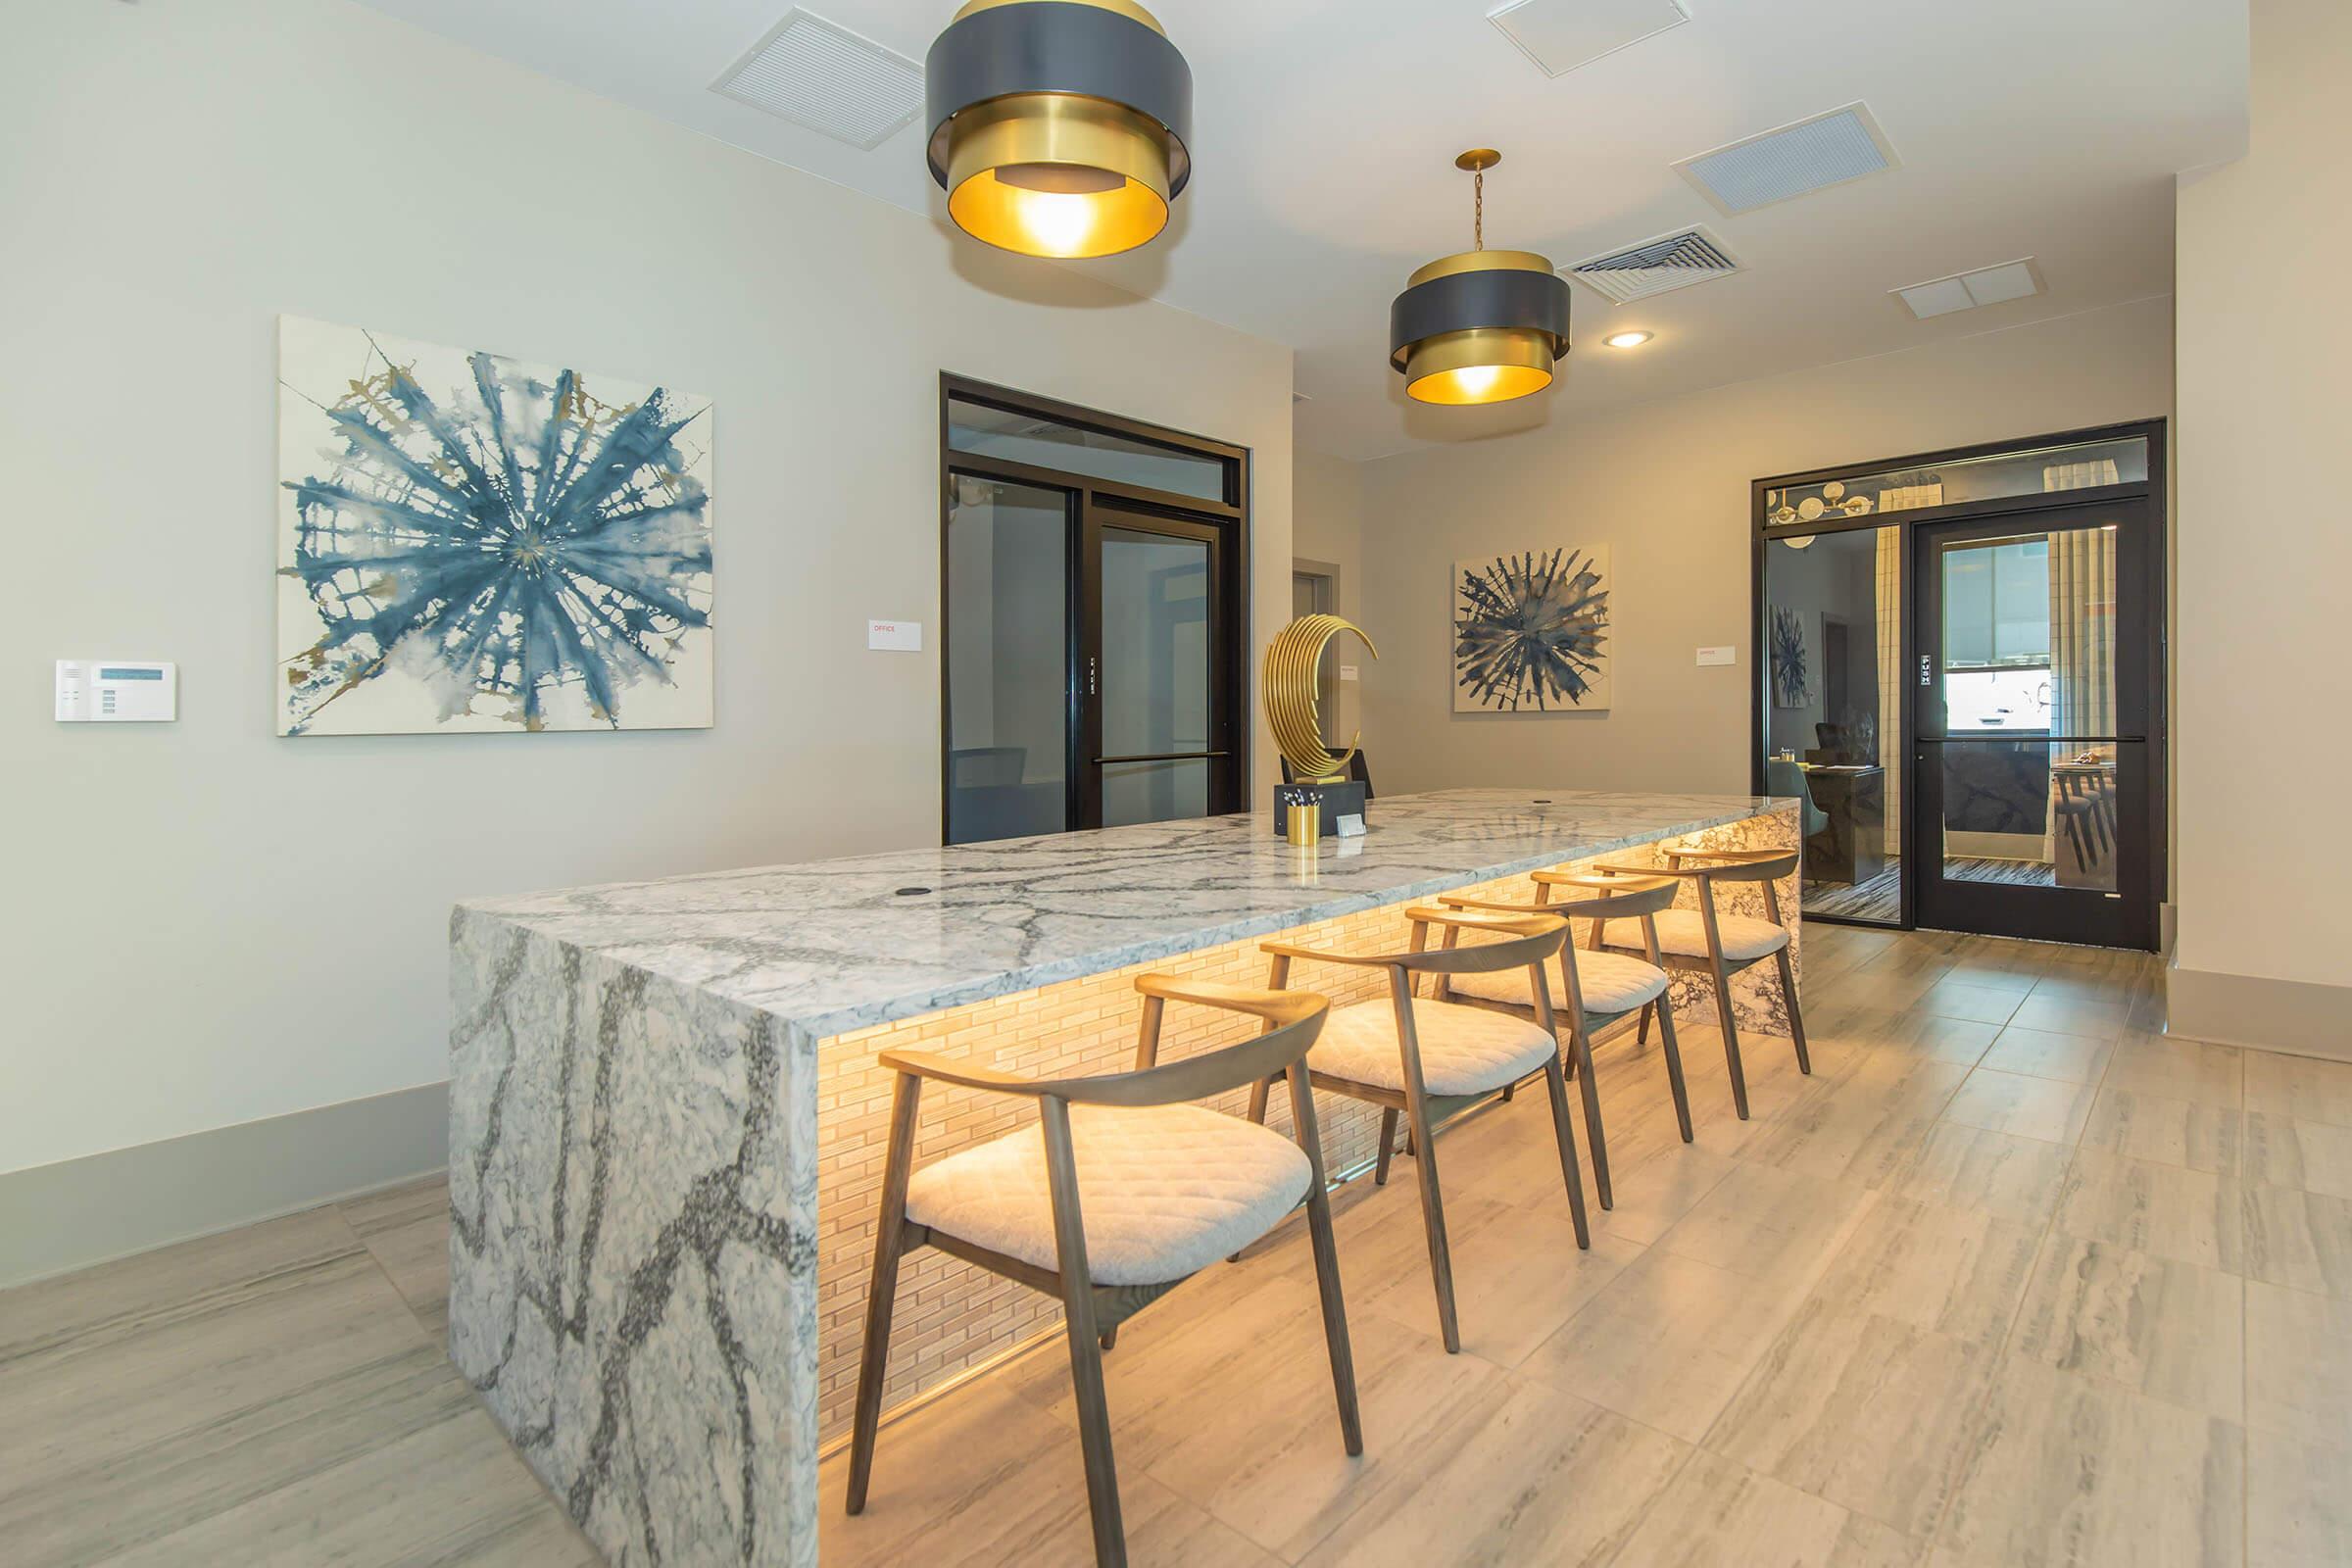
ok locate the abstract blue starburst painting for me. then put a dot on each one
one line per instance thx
(1792, 651)
(468, 543)
(1531, 632)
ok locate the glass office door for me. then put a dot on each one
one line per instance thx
(2037, 678)
(1157, 729)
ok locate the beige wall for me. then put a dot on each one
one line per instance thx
(2266, 534)
(1665, 485)
(206, 924)
(1326, 525)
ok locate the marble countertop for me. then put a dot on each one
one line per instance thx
(837, 944)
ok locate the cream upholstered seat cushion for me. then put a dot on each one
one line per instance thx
(1163, 1191)
(1464, 1050)
(1680, 931)
(1609, 982)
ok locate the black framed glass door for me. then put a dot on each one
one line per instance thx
(2038, 679)
(1157, 721)
(1092, 600)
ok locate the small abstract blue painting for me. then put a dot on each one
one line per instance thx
(1531, 632)
(1791, 651)
(468, 543)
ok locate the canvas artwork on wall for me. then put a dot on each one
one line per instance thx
(1531, 632)
(1795, 666)
(469, 542)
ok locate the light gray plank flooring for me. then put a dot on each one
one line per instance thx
(2009, 1280)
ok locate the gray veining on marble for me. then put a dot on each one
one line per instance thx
(833, 944)
(633, 1140)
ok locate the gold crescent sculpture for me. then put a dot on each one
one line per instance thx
(1292, 659)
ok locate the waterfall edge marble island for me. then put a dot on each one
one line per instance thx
(667, 1123)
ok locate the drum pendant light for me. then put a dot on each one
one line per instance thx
(1059, 127)
(1482, 327)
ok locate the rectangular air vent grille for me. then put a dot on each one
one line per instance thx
(1965, 291)
(1560, 36)
(1792, 161)
(820, 75)
(1655, 266)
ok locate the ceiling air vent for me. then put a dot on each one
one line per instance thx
(1965, 291)
(1793, 160)
(1655, 266)
(1559, 35)
(816, 73)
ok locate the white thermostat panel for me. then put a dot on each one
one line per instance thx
(116, 691)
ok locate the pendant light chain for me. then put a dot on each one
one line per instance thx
(1477, 220)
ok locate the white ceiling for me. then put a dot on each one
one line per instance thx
(1325, 132)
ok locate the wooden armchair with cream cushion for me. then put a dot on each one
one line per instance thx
(1707, 940)
(1594, 988)
(1430, 1060)
(1122, 1190)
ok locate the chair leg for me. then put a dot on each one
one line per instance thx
(1432, 1221)
(1327, 1263)
(1507, 1090)
(1580, 1042)
(1642, 1028)
(1085, 1346)
(1556, 1083)
(1111, 1339)
(1387, 1147)
(1796, 1018)
(1257, 1102)
(1730, 1037)
(889, 1239)
(1674, 1066)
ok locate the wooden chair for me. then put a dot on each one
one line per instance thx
(1089, 1214)
(1430, 1061)
(1596, 988)
(1706, 941)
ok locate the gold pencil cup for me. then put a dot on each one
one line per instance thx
(1303, 824)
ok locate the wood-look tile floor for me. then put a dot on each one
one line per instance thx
(2010, 1280)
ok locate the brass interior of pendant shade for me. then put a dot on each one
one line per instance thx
(1292, 660)
(1058, 174)
(1479, 365)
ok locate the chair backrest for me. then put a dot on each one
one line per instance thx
(1524, 940)
(1741, 865)
(1293, 1018)
(1610, 897)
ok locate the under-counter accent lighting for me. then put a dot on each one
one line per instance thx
(1479, 325)
(1627, 340)
(1059, 127)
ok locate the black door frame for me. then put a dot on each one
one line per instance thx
(2126, 918)
(1088, 497)
(2153, 489)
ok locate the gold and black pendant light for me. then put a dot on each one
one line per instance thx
(1482, 327)
(1059, 127)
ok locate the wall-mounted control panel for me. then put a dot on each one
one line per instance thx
(116, 691)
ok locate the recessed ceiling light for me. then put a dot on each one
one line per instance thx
(1627, 340)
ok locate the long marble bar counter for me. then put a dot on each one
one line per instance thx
(667, 1125)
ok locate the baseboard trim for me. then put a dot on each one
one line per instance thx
(68, 1215)
(2300, 1017)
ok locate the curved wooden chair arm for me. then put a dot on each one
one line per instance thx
(1624, 876)
(1455, 900)
(1277, 1008)
(962, 1074)
(1622, 900)
(1520, 921)
(1734, 865)
(1640, 881)
(1251, 1061)
(1291, 949)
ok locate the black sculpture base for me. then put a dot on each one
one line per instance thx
(1341, 797)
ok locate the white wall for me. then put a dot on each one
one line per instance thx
(1666, 486)
(2266, 535)
(206, 924)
